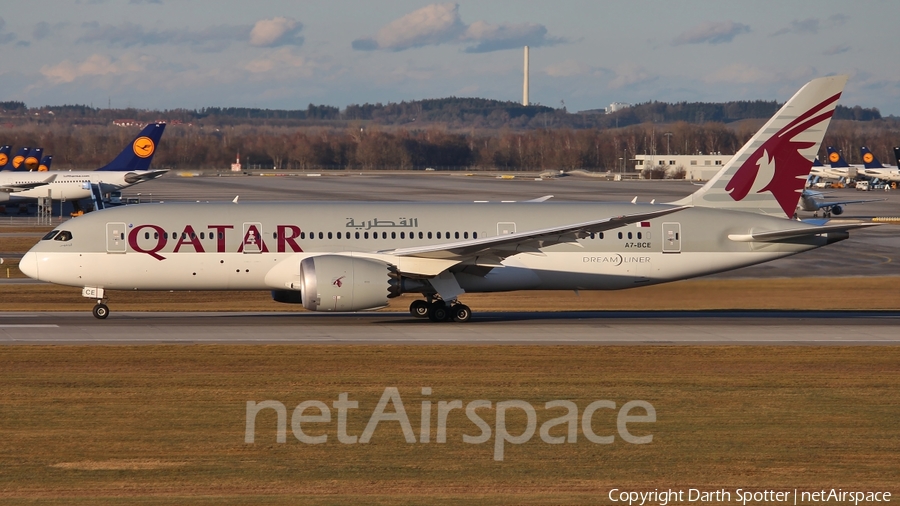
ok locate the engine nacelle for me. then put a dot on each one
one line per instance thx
(343, 283)
(837, 210)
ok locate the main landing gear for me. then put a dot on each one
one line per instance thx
(440, 311)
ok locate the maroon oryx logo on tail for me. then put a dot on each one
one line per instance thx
(777, 166)
(338, 282)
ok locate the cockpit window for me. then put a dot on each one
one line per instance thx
(64, 235)
(50, 235)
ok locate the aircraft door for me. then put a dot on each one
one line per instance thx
(671, 237)
(506, 228)
(116, 237)
(253, 240)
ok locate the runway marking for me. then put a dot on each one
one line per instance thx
(24, 325)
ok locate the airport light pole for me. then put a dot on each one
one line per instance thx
(668, 136)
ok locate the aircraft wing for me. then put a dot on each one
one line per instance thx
(502, 246)
(823, 205)
(779, 235)
(20, 187)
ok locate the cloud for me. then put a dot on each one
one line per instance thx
(438, 24)
(809, 25)
(711, 32)
(837, 20)
(94, 66)
(278, 31)
(506, 36)
(280, 60)
(568, 68)
(429, 26)
(812, 25)
(5, 37)
(739, 73)
(41, 30)
(836, 49)
(631, 74)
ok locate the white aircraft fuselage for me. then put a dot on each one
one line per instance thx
(72, 185)
(202, 246)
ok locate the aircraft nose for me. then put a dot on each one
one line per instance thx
(29, 265)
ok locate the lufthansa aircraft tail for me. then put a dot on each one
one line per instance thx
(836, 159)
(897, 155)
(45, 163)
(4, 156)
(139, 153)
(768, 174)
(869, 160)
(32, 160)
(19, 159)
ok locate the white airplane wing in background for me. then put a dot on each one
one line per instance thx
(20, 187)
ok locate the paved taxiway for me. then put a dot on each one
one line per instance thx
(564, 328)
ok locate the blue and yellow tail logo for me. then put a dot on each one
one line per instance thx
(143, 147)
(834, 157)
(4, 159)
(31, 163)
(17, 161)
(868, 158)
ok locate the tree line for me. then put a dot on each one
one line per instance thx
(375, 147)
(451, 112)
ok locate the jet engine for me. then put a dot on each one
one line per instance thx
(837, 210)
(339, 283)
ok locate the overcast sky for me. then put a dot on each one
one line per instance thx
(164, 54)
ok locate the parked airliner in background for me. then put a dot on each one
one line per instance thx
(872, 168)
(352, 256)
(838, 167)
(815, 201)
(130, 167)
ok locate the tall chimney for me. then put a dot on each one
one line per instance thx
(525, 83)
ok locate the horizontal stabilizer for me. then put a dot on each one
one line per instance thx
(793, 233)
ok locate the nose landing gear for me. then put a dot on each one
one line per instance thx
(101, 310)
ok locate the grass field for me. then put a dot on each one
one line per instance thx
(166, 425)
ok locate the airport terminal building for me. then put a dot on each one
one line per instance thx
(698, 167)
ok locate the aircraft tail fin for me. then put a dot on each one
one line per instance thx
(139, 153)
(869, 160)
(768, 173)
(836, 159)
(19, 159)
(45, 163)
(33, 159)
(817, 162)
(4, 156)
(897, 155)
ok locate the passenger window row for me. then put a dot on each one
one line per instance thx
(383, 235)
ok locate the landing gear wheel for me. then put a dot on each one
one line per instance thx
(461, 313)
(101, 311)
(419, 309)
(437, 312)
